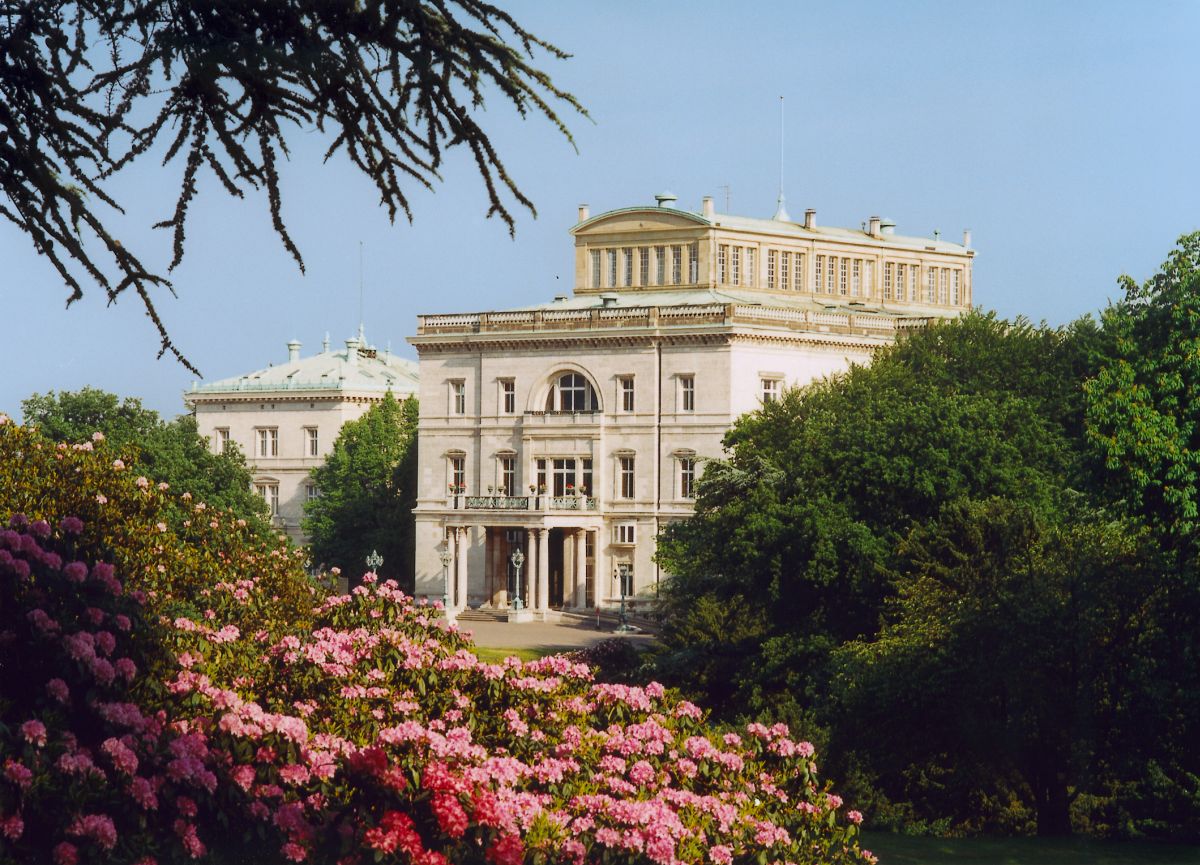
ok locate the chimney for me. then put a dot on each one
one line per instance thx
(967, 238)
(810, 218)
(666, 199)
(293, 351)
(874, 224)
(706, 207)
(352, 351)
(584, 213)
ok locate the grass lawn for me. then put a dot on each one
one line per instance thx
(493, 656)
(903, 850)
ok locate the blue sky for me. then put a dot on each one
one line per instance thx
(1061, 134)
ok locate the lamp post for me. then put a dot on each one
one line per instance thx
(623, 576)
(518, 559)
(447, 557)
(374, 561)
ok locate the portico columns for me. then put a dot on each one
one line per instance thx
(460, 567)
(543, 583)
(531, 558)
(580, 599)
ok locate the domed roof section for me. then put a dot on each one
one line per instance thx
(358, 368)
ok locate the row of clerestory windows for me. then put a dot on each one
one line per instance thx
(645, 266)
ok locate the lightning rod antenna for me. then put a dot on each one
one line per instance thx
(781, 214)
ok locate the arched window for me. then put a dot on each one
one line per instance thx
(572, 392)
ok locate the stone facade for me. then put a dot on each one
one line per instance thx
(286, 417)
(574, 430)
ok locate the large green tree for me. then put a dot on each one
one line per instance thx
(366, 493)
(89, 86)
(1143, 415)
(1009, 665)
(794, 531)
(171, 452)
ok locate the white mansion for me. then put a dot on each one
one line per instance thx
(287, 416)
(574, 430)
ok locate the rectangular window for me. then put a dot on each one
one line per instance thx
(771, 256)
(868, 277)
(722, 261)
(930, 283)
(955, 287)
(596, 269)
(508, 396)
(508, 475)
(820, 267)
(221, 440)
(842, 269)
(687, 393)
(676, 265)
(800, 279)
(687, 478)
(887, 280)
(856, 277)
(458, 397)
(312, 442)
(625, 478)
(660, 265)
(736, 265)
(612, 268)
(563, 477)
(585, 475)
(785, 269)
(625, 386)
(831, 276)
(268, 442)
(270, 495)
(625, 533)
(770, 390)
(943, 285)
(693, 263)
(541, 475)
(644, 268)
(750, 277)
(627, 254)
(310, 491)
(458, 474)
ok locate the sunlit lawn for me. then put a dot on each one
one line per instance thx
(492, 656)
(904, 850)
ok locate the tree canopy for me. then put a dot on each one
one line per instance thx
(366, 493)
(89, 86)
(933, 564)
(171, 452)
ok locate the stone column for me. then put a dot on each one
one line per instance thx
(580, 569)
(460, 565)
(569, 570)
(543, 585)
(603, 572)
(499, 569)
(529, 578)
(450, 573)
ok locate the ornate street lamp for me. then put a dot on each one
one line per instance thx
(447, 557)
(623, 575)
(374, 561)
(518, 559)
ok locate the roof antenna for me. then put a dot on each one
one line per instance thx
(728, 193)
(781, 214)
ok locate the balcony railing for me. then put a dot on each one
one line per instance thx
(526, 503)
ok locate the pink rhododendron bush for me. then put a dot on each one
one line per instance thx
(142, 724)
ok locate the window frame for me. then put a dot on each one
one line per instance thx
(312, 441)
(457, 397)
(626, 401)
(508, 396)
(266, 439)
(770, 388)
(687, 393)
(626, 477)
